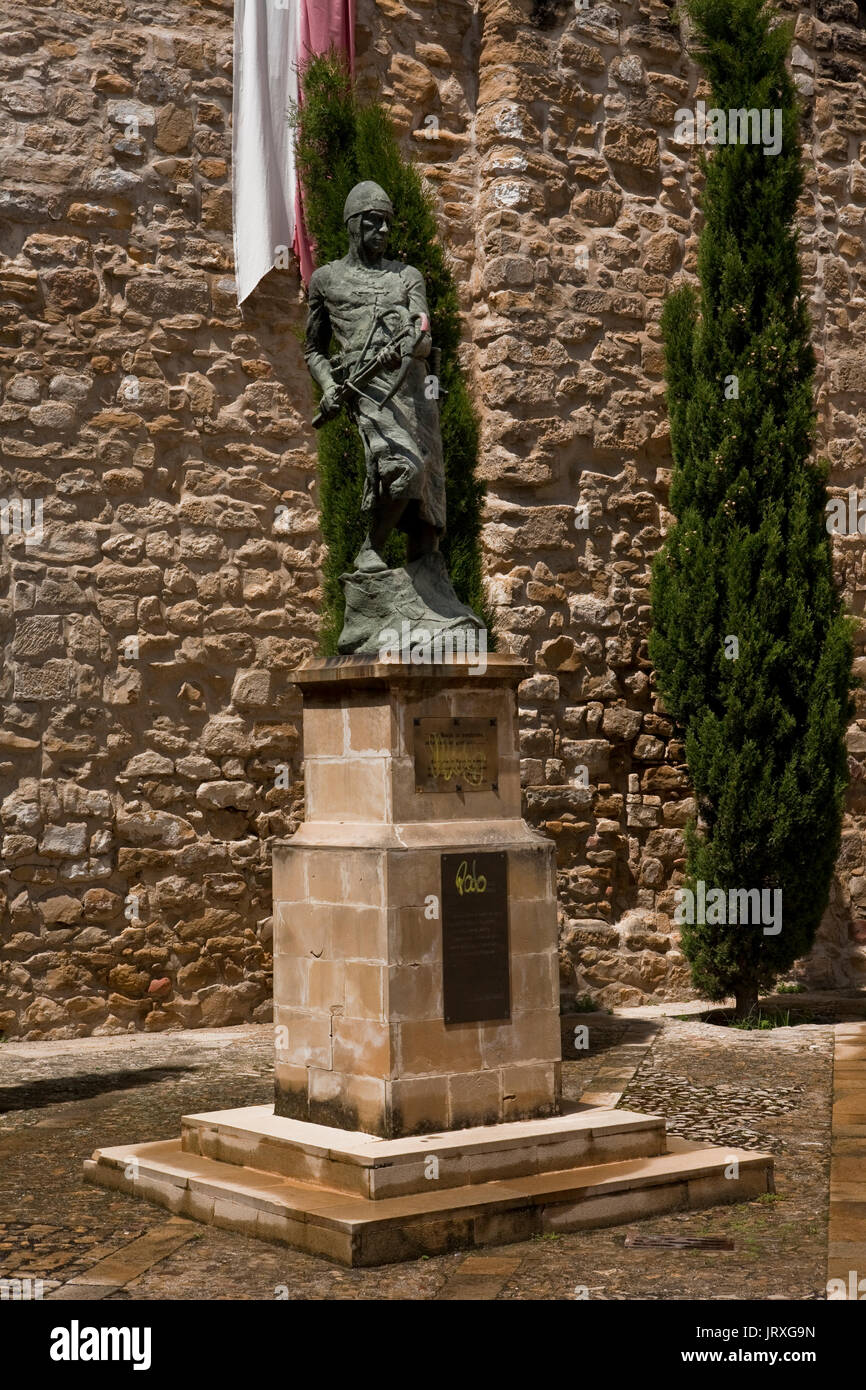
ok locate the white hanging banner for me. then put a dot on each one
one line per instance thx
(266, 53)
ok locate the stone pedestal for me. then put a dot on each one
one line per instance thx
(362, 1041)
(396, 1133)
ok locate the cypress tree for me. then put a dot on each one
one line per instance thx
(751, 648)
(339, 142)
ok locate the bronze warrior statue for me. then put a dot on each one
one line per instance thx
(377, 311)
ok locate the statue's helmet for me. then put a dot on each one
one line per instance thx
(367, 197)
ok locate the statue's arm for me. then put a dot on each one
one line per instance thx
(318, 335)
(419, 311)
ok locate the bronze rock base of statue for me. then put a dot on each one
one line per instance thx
(399, 605)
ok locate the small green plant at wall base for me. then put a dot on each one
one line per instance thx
(340, 141)
(764, 1022)
(751, 649)
(587, 1005)
(790, 989)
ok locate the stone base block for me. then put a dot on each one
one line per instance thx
(361, 1039)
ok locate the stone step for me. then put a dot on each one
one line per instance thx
(366, 1166)
(363, 1231)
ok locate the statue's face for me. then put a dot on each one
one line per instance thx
(373, 229)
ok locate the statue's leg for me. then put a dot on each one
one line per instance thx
(393, 468)
(386, 515)
(422, 538)
(384, 520)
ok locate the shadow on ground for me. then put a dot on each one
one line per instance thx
(34, 1095)
(602, 1032)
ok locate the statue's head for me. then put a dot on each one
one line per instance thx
(368, 214)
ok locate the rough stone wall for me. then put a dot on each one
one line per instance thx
(149, 632)
(149, 749)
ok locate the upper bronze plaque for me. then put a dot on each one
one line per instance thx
(456, 755)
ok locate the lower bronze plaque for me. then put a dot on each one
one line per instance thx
(456, 755)
(476, 978)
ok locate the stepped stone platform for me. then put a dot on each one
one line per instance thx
(361, 1200)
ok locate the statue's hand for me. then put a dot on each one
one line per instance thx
(390, 358)
(332, 401)
(423, 346)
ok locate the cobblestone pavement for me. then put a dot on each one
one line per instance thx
(59, 1101)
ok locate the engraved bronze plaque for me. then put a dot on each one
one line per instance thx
(456, 755)
(476, 978)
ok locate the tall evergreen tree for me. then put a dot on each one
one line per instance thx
(341, 141)
(751, 649)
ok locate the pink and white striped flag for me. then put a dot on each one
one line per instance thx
(273, 39)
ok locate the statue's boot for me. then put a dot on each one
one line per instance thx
(369, 561)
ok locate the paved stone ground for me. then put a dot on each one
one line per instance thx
(59, 1101)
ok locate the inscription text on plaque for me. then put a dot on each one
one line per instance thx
(456, 755)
